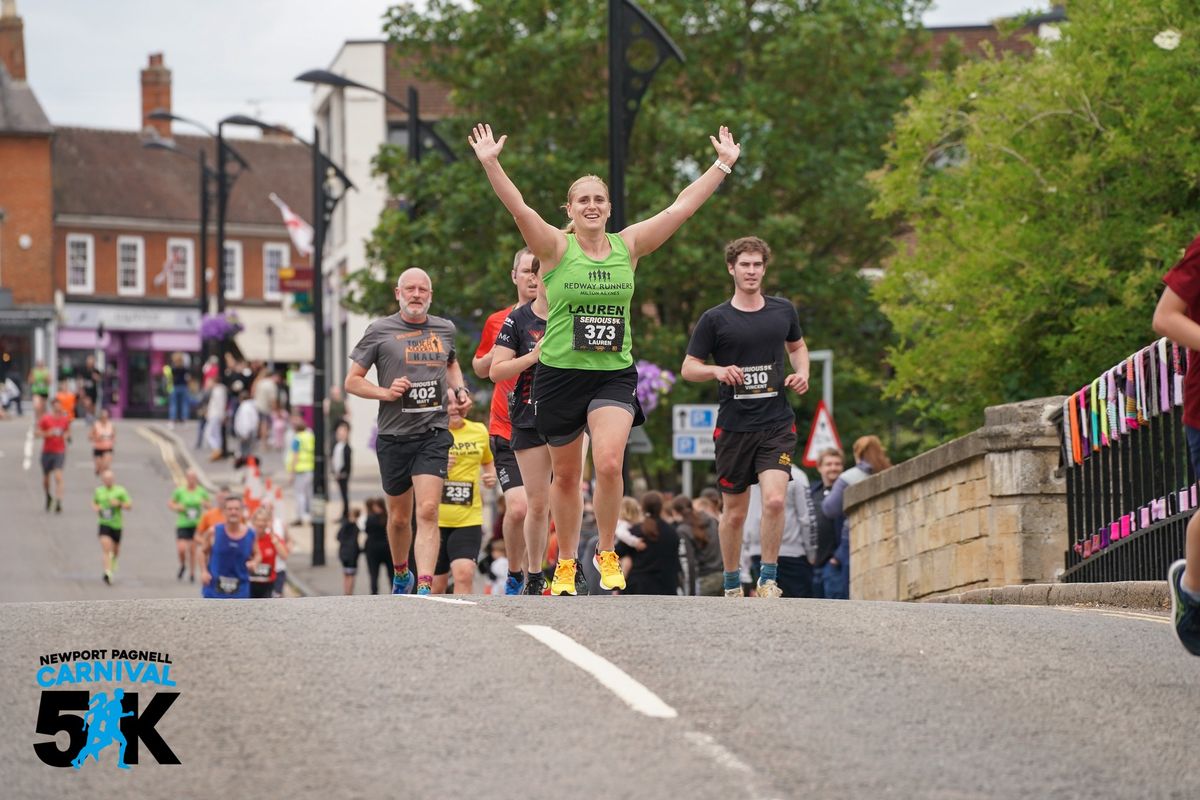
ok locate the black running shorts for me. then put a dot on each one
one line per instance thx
(508, 474)
(562, 399)
(742, 455)
(185, 533)
(458, 543)
(401, 457)
(527, 439)
(112, 533)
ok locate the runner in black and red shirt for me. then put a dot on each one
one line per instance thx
(749, 338)
(508, 472)
(514, 360)
(54, 429)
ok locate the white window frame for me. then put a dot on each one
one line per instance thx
(234, 283)
(189, 246)
(284, 261)
(139, 288)
(89, 241)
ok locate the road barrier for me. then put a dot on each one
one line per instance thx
(1130, 485)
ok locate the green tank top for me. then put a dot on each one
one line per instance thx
(588, 324)
(40, 381)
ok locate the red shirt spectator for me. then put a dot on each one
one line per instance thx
(1184, 280)
(54, 429)
(498, 424)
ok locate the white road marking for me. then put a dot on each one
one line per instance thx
(1112, 612)
(167, 453)
(725, 757)
(438, 599)
(27, 461)
(612, 677)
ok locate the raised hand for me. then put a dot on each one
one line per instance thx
(485, 145)
(727, 150)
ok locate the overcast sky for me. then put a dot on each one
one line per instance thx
(231, 56)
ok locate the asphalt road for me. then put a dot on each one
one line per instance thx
(386, 697)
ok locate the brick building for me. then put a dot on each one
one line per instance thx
(99, 242)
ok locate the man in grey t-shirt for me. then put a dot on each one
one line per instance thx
(418, 379)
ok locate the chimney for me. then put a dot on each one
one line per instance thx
(156, 94)
(12, 40)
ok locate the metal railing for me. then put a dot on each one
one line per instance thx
(1130, 486)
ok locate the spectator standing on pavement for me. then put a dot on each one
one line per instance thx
(54, 429)
(379, 555)
(103, 436)
(418, 378)
(340, 464)
(349, 551)
(301, 461)
(830, 463)
(335, 408)
(1178, 318)
(870, 459)
(214, 417)
(227, 555)
(245, 427)
(179, 403)
(188, 502)
(702, 530)
(751, 338)
(653, 569)
(799, 535)
(109, 501)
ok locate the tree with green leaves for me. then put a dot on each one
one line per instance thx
(809, 89)
(1046, 197)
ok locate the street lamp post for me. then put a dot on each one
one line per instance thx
(206, 175)
(628, 25)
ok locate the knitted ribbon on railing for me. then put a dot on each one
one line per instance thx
(1178, 370)
(1094, 413)
(1117, 376)
(1131, 415)
(1068, 443)
(1164, 385)
(1085, 426)
(1076, 435)
(1114, 426)
(1102, 408)
(1151, 382)
(1139, 378)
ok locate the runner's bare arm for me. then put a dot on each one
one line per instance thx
(281, 548)
(483, 364)
(547, 242)
(643, 238)
(506, 364)
(798, 355)
(1171, 320)
(357, 384)
(695, 370)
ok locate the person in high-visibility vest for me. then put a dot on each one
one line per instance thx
(301, 461)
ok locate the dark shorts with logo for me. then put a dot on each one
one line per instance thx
(742, 455)
(113, 533)
(508, 474)
(458, 543)
(185, 533)
(401, 457)
(562, 399)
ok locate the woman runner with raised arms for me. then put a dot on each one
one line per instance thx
(586, 378)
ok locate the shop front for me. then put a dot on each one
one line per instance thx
(131, 345)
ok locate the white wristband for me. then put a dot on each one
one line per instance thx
(721, 165)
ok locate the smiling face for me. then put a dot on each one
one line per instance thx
(414, 293)
(587, 204)
(748, 270)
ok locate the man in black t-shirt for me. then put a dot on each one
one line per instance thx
(749, 337)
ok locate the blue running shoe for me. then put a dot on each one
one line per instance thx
(1185, 612)
(402, 586)
(424, 588)
(513, 585)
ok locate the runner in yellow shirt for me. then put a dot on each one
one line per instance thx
(460, 514)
